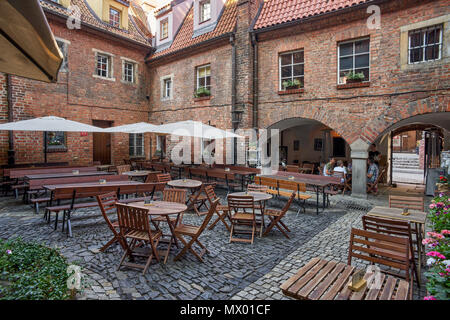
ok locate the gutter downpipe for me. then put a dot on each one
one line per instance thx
(11, 153)
(233, 95)
(255, 81)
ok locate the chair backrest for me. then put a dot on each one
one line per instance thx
(292, 168)
(235, 203)
(107, 204)
(288, 185)
(174, 195)
(163, 177)
(123, 168)
(210, 194)
(380, 248)
(387, 226)
(288, 203)
(132, 219)
(380, 176)
(256, 187)
(199, 172)
(308, 166)
(414, 203)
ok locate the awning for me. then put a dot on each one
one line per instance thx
(27, 46)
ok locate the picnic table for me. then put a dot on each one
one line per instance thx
(66, 175)
(53, 187)
(241, 172)
(322, 279)
(260, 197)
(165, 209)
(416, 217)
(319, 183)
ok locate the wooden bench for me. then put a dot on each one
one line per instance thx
(294, 186)
(222, 178)
(36, 186)
(272, 184)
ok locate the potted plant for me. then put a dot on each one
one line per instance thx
(353, 77)
(202, 92)
(291, 84)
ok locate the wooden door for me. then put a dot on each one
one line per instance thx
(102, 142)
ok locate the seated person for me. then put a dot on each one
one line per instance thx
(340, 168)
(372, 173)
(328, 169)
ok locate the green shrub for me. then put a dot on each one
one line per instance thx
(291, 84)
(202, 92)
(355, 76)
(30, 271)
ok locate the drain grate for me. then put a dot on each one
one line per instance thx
(350, 205)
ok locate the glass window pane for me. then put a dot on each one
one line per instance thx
(298, 70)
(415, 55)
(362, 61)
(432, 36)
(208, 81)
(415, 39)
(299, 79)
(298, 57)
(346, 49)
(286, 59)
(342, 75)
(432, 52)
(201, 82)
(362, 46)
(346, 63)
(286, 71)
(207, 70)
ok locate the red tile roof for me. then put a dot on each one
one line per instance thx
(276, 12)
(183, 39)
(136, 29)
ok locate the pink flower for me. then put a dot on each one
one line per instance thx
(436, 254)
(429, 298)
(432, 206)
(445, 232)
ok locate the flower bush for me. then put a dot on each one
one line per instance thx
(30, 271)
(438, 242)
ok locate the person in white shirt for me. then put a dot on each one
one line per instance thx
(340, 168)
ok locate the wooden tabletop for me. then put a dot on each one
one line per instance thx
(311, 179)
(91, 184)
(139, 173)
(66, 175)
(232, 171)
(185, 183)
(160, 207)
(396, 213)
(257, 196)
(321, 279)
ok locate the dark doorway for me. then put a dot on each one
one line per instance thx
(102, 142)
(338, 147)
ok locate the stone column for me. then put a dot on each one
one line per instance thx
(359, 157)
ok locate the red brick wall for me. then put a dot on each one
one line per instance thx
(357, 112)
(78, 96)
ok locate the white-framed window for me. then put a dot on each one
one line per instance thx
(292, 69)
(129, 71)
(64, 47)
(425, 44)
(114, 17)
(167, 88)
(354, 57)
(204, 77)
(205, 10)
(164, 29)
(136, 144)
(103, 67)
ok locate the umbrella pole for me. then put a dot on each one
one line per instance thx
(45, 146)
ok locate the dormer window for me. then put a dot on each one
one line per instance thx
(164, 29)
(205, 10)
(114, 17)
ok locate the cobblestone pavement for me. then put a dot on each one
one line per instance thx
(236, 271)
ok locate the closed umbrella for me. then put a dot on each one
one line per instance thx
(49, 123)
(140, 127)
(27, 46)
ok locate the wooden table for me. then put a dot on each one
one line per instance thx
(418, 218)
(242, 173)
(102, 167)
(322, 279)
(164, 208)
(260, 197)
(318, 182)
(185, 183)
(140, 174)
(52, 187)
(66, 175)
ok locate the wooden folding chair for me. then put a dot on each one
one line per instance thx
(275, 217)
(107, 204)
(194, 232)
(199, 199)
(242, 213)
(381, 249)
(292, 168)
(163, 177)
(134, 225)
(373, 187)
(395, 228)
(221, 210)
(171, 195)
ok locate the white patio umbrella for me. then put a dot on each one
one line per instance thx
(140, 127)
(49, 123)
(190, 128)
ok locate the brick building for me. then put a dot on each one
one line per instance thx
(261, 64)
